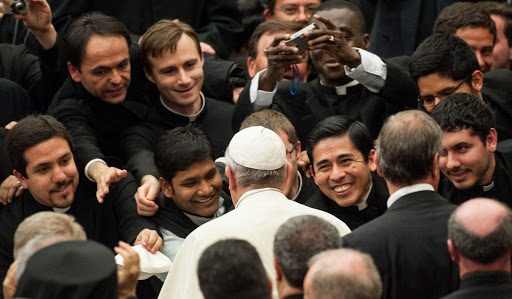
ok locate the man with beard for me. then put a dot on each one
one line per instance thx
(41, 154)
(336, 51)
(470, 161)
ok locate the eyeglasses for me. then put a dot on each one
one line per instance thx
(430, 100)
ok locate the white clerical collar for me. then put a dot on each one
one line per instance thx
(341, 90)
(408, 190)
(192, 117)
(199, 220)
(61, 210)
(299, 177)
(488, 187)
(364, 204)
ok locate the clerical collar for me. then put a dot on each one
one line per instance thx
(299, 177)
(61, 210)
(364, 204)
(199, 220)
(488, 187)
(192, 117)
(341, 90)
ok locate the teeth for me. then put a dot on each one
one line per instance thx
(342, 188)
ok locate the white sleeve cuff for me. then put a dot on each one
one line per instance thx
(89, 165)
(371, 73)
(259, 98)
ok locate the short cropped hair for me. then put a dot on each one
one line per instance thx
(232, 268)
(269, 27)
(463, 15)
(407, 146)
(47, 224)
(298, 240)
(164, 36)
(339, 4)
(180, 148)
(464, 111)
(80, 31)
(340, 126)
(446, 55)
(272, 120)
(331, 283)
(484, 249)
(29, 132)
(500, 9)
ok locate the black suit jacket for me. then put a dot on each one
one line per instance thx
(408, 245)
(480, 285)
(116, 219)
(138, 142)
(352, 216)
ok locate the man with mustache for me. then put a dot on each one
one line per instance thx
(471, 162)
(40, 151)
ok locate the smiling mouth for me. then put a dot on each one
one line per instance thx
(61, 188)
(457, 175)
(342, 188)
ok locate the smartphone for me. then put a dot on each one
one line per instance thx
(299, 40)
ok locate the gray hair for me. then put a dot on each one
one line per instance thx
(299, 239)
(334, 282)
(246, 176)
(46, 224)
(483, 249)
(407, 146)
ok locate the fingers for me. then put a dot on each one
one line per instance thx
(10, 125)
(278, 39)
(102, 191)
(150, 240)
(2, 10)
(326, 22)
(10, 188)
(206, 48)
(144, 200)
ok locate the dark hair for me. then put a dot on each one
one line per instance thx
(444, 54)
(180, 148)
(80, 31)
(163, 36)
(29, 132)
(339, 4)
(269, 27)
(272, 120)
(340, 126)
(463, 14)
(232, 268)
(464, 111)
(500, 9)
(298, 240)
(484, 249)
(407, 146)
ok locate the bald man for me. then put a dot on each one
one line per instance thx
(342, 273)
(480, 241)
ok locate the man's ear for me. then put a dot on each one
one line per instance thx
(251, 65)
(74, 72)
(279, 273)
(477, 80)
(166, 188)
(377, 165)
(372, 158)
(267, 14)
(366, 41)
(491, 141)
(149, 75)
(231, 178)
(454, 252)
(21, 178)
(298, 148)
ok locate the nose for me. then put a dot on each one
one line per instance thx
(303, 16)
(452, 162)
(115, 77)
(183, 78)
(337, 173)
(59, 174)
(205, 188)
(480, 59)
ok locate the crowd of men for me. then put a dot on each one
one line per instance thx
(279, 165)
